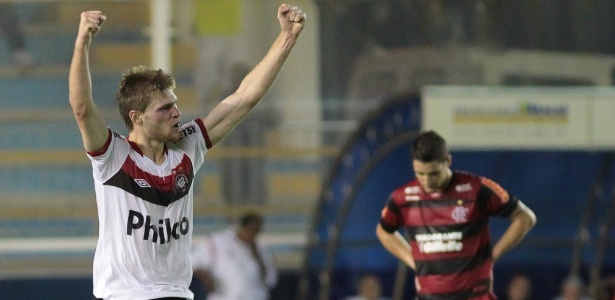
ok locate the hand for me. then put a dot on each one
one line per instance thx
(417, 285)
(91, 22)
(292, 19)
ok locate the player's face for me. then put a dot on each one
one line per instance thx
(253, 230)
(161, 118)
(433, 176)
(369, 287)
(250, 231)
(519, 288)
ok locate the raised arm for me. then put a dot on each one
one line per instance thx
(522, 220)
(93, 129)
(227, 114)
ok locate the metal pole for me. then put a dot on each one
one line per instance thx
(582, 239)
(604, 232)
(160, 34)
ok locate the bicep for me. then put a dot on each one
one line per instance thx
(385, 237)
(524, 214)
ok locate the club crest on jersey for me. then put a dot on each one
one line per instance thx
(182, 183)
(460, 214)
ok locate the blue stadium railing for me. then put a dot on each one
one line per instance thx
(387, 129)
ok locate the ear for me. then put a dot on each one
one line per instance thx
(449, 160)
(135, 117)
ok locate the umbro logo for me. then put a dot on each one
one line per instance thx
(142, 183)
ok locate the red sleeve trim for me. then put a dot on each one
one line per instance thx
(496, 188)
(104, 148)
(204, 131)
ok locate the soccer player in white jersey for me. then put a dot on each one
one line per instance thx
(143, 181)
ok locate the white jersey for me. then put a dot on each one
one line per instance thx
(145, 217)
(235, 271)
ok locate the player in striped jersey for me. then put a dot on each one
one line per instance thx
(446, 215)
(144, 181)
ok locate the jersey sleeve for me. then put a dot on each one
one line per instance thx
(195, 141)
(106, 161)
(495, 200)
(391, 218)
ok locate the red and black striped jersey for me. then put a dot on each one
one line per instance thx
(449, 233)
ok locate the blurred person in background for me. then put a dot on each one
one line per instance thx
(242, 177)
(519, 288)
(609, 284)
(143, 182)
(222, 62)
(573, 288)
(13, 32)
(605, 288)
(369, 288)
(233, 265)
(220, 43)
(446, 214)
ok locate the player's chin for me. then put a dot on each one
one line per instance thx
(430, 189)
(174, 137)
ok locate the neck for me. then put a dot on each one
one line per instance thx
(153, 150)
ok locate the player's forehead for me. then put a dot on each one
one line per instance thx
(428, 167)
(162, 98)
